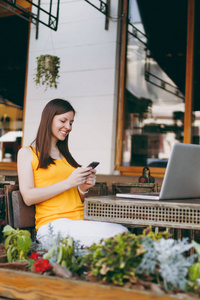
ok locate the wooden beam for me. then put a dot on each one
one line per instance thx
(8, 166)
(122, 75)
(26, 84)
(29, 286)
(189, 73)
(137, 171)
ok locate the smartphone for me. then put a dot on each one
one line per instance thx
(94, 164)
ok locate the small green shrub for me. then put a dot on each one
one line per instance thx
(166, 263)
(193, 283)
(115, 259)
(17, 243)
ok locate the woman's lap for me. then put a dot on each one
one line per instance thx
(86, 232)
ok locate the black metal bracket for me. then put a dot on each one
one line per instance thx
(153, 79)
(104, 8)
(168, 87)
(15, 8)
(137, 33)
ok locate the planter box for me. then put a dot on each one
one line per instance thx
(26, 285)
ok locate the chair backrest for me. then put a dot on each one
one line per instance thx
(134, 188)
(18, 214)
(99, 189)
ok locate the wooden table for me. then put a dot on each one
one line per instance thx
(166, 213)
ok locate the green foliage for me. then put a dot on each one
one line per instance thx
(194, 270)
(166, 263)
(148, 233)
(123, 258)
(115, 259)
(47, 72)
(62, 253)
(193, 283)
(17, 243)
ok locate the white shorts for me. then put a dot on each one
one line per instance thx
(86, 232)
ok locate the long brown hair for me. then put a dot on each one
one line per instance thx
(44, 134)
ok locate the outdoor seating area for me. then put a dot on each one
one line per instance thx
(100, 101)
(173, 217)
(180, 218)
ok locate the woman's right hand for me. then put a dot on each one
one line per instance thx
(79, 176)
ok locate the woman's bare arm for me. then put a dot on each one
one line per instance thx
(32, 195)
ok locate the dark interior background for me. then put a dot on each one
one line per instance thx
(165, 23)
(13, 56)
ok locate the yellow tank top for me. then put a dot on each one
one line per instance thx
(65, 205)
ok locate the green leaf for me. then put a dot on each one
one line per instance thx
(9, 255)
(60, 253)
(64, 264)
(7, 230)
(105, 268)
(194, 271)
(50, 253)
(122, 264)
(25, 233)
(7, 241)
(24, 243)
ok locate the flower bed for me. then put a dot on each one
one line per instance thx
(151, 262)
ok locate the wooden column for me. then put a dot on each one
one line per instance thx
(122, 75)
(189, 73)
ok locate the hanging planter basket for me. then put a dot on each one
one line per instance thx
(47, 71)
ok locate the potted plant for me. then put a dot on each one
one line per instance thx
(47, 72)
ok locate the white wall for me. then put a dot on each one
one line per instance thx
(88, 55)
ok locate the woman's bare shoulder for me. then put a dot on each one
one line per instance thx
(25, 151)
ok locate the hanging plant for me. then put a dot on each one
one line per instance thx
(47, 70)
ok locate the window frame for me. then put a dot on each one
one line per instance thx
(156, 172)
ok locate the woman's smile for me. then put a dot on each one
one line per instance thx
(62, 125)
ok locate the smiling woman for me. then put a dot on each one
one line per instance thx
(62, 125)
(51, 179)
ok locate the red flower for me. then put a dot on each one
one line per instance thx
(34, 256)
(42, 265)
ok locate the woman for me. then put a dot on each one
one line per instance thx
(55, 183)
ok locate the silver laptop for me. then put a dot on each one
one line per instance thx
(182, 176)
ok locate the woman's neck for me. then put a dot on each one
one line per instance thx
(55, 153)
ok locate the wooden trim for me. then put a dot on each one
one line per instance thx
(27, 285)
(189, 73)
(26, 83)
(122, 70)
(159, 172)
(137, 171)
(8, 166)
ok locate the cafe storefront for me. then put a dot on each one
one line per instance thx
(132, 68)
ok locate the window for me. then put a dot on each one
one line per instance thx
(154, 105)
(13, 58)
(10, 131)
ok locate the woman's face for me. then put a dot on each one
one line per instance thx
(62, 125)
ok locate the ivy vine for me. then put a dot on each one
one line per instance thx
(47, 72)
